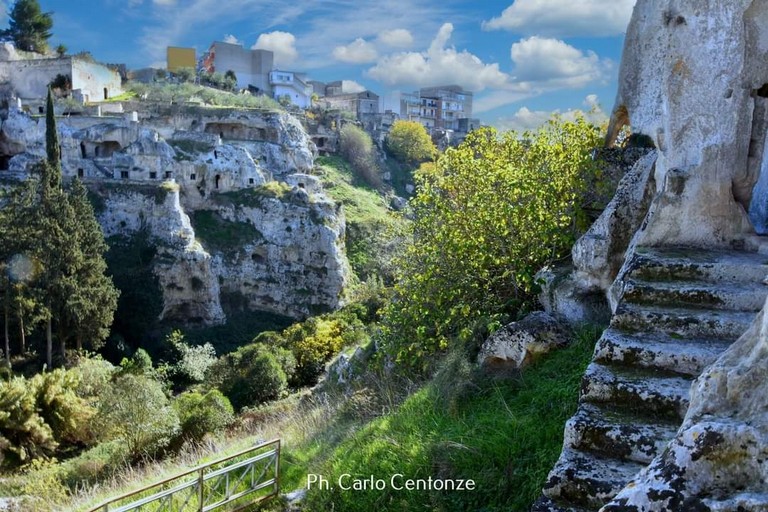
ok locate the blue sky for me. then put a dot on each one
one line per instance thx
(523, 58)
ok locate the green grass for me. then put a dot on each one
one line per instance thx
(223, 235)
(370, 223)
(254, 197)
(503, 434)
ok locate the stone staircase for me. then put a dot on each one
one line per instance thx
(680, 308)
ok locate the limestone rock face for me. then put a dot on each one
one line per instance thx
(516, 344)
(697, 94)
(282, 253)
(190, 289)
(599, 253)
(718, 459)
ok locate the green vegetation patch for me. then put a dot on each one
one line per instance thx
(504, 434)
(223, 235)
(254, 197)
(371, 226)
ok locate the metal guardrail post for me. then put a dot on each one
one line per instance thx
(201, 483)
(277, 468)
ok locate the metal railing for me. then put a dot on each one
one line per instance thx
(211, 486)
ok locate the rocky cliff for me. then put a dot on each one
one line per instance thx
(223, 194)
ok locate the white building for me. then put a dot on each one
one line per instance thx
(291, 85)
(251, 67)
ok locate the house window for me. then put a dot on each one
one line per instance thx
(167, 175)
(193, 176)
(152, 175)
(250, 181)
(124, 175)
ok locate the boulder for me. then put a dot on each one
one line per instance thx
(518, 343)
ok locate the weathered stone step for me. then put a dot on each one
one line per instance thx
(741, 502)
(659, 351)
(618, 434)
(544, 504)
(702, 295)
(685, 264)
(728, 325)
(587, 480)
(654, 392)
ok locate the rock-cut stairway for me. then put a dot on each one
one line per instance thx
(679, 310)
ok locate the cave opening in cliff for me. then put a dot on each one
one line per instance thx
(106, 149)
(218, 180)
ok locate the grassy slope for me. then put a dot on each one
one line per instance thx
(505, 435)
(366, 210)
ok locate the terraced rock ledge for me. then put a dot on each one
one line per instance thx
(679, 310)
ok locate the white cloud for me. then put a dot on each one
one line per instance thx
(526, 119)
(565, 18)
(358, 51)
(164, 2)
(283, 44)
(397, 38)
(229, 38)
(350, 87)
(438, 65)
(552, 64)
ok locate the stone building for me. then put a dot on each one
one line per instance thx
(29, 77)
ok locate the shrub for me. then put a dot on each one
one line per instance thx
(139, 364)
(492, 213)
(192, 361)
(202, 414)
(24, 435)
(251, 375)
(135, 410)
(59, 405)
(357, 147)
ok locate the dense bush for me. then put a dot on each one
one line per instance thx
(200, 414)
(488, 216)
(252, 375)
(357, 147)
(59, 405)
(24, 434)
(135, 410)
(409, 142)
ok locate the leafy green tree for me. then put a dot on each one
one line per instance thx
(488, 216)
(357, 148)
(61, 50)
(185, 74)
(409, 142)
(135, 410)
(29, 27)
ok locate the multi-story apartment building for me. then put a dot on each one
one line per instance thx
(438, 108)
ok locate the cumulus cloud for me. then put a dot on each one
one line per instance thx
(526, 119)
(351, 87)
(564, 18)
(358, 51)
(397, 38)
(553, 64)
(283, 44)
(229, 38)
(438, 65)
